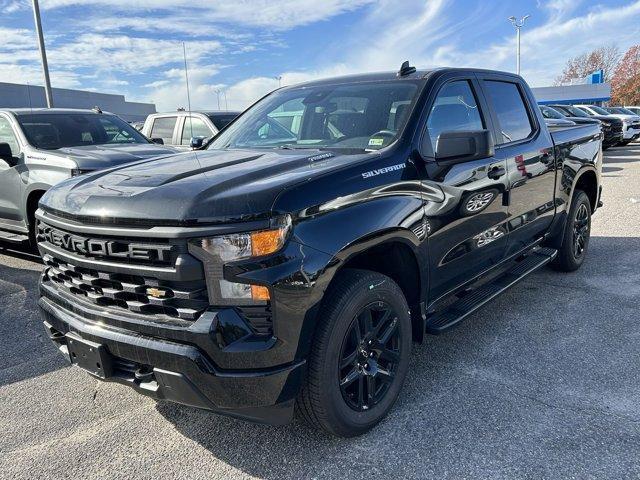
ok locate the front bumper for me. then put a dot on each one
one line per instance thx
(631, 133)
(176, 369)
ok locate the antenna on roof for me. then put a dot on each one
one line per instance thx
(186, 76)
(406, 69)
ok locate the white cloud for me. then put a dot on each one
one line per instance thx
(280, 15)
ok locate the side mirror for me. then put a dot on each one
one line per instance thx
(7, 155)
(458, 147)
(159, 141)
(197, 142)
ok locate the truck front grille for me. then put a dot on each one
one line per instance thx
(137, 294)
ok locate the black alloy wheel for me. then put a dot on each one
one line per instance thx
(581, 231)
(369, 356)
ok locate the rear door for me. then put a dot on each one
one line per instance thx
(525, 146)
(467, 233)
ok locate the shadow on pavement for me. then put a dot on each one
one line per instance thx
(26, 350)
(442, 403)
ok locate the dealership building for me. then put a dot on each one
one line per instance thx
(590, 90)
(13, 95)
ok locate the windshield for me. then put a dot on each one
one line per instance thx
(357, 116)
(573, 111)
(51, 131)
(599, 110)
(222, 120)
(548, 112)
(625, 111)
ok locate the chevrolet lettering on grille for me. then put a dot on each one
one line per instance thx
(104, 248)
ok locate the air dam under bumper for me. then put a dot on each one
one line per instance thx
(177, 372)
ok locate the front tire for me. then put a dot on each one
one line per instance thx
(577, 231)
(360, 354)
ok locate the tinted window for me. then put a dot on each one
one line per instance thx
(348, 116)
(455, 109)
(163, 128)
(510, 108)
(548, 112)
(194, 127)
(222, 120)
(8, 136)
(59, 130)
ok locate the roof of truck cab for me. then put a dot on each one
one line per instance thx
(387, 76)
(29, 111)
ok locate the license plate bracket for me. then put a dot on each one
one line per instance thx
(90, 356)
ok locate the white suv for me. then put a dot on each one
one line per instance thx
(630, 122)
(177, 128)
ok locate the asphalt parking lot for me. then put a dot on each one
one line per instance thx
(543, 383)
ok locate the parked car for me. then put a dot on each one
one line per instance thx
(611, 127)
(277, 271)
(554, 119)
(630, 123)
(634, 109)
(40, 147)
(178, 128)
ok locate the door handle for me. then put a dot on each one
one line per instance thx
(496, 172)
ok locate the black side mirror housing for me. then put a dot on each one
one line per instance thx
(197, 142)
(159, 141)
(464, 146)
(6, 154)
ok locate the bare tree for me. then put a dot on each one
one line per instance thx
(605, 58)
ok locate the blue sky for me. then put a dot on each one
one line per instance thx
(134, 47)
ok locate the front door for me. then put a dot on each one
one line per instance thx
(10, 184)
(467, 231)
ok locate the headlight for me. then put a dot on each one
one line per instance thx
(216, 251)
(239, 246)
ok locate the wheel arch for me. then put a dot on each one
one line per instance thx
(396, 255)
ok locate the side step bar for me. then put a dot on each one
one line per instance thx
(472, 301)
(13, 237)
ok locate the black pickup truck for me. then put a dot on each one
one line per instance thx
(290, 264)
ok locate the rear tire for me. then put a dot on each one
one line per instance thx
(575, 241)
(360, 354)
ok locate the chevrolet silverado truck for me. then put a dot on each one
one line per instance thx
(282, 270)
(40, 147)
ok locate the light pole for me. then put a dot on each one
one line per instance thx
(518, 25)
(217, 90)
(43, 54)
(279, 78)
(226, 104)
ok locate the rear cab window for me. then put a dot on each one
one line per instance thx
(163, 128)
(514, 120)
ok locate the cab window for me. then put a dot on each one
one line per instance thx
(163, 128)
(194, 127)
(509, 105)
(455, 109)
(7, 135)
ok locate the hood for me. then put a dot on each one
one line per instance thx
(607, 119)
(94, 157)
(626, 118)
(211, 186)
